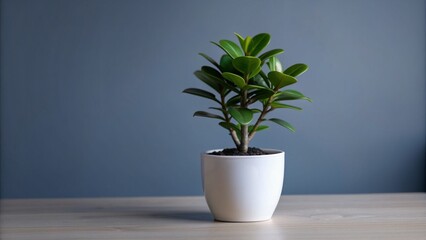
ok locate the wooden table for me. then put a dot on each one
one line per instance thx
(369, 216)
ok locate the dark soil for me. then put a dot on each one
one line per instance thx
(234, 152)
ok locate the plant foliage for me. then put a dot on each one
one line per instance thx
(244, 79)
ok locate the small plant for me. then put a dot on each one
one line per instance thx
(243, 91)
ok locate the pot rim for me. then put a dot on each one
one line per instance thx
(272, 152)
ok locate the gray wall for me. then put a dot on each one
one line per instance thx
(91, 101)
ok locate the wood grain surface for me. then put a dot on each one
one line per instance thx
(367, 216)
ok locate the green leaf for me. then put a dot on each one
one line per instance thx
(255, 72)
(271, 64)
(296, 69)
(259, 128)
(240, 39)
(265, 78)
(200, 93)
(291, 95)
(239, 81)
(214, 78)
(282, 105)
(274, 64)
(217, 77)
(262, 94)
(258, 80)
(270, 53)
(212, 72)
(280, 80)
(230, 48)
(241, 115)
(207, 115)
(211, 60)
(246, 43)
(258, 43)
(283, 123)
(249, 86)
(209, 80)
(229, 126)
(226, 64)
(243, 42)
(246, 64)
(233, 100)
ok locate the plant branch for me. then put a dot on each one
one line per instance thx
(228, 120)
(265, 110)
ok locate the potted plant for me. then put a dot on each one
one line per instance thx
(244, 184)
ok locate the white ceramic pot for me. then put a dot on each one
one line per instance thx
(243, 188)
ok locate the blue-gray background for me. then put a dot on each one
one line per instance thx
(91, 101)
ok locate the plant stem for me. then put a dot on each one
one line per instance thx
(243, 147)
(244, 139)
